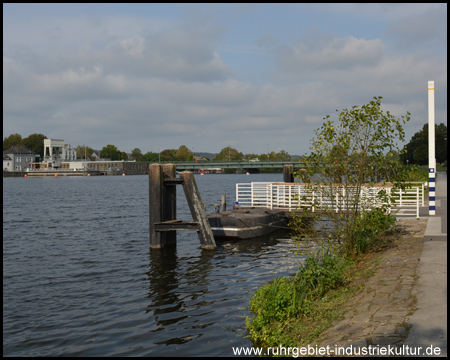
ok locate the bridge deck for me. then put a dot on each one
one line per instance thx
(182, 165)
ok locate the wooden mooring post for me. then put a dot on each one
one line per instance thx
(162, 208)
(224, 202)
(288, 173)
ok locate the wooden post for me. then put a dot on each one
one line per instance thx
(224, 202)
(155, 195)
(169, 203)
(288, 173)
(197, 210)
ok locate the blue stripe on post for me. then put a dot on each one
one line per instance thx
(432, 207)
(432, 198)
(432, 189)
(432, 179)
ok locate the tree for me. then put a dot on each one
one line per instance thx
(168, 155)
(441, 143)
(283, 155)
(229, 153)
(183, 154)
(35, 142)
(136, 154)
(416, 151)
(151, 157)
(111, 152)
(12, 140)
(251, 156)
(82, 150)
(363, 140)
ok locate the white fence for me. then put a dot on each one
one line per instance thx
(319, 197)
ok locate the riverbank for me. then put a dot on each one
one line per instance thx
(396, 298)
(405, 303)
(378, 313)
(371, 307)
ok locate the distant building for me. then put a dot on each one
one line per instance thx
(19, 158)
(95, 155)
(55, 152)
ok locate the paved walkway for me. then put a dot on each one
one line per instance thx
(429, 322)
(404, 304)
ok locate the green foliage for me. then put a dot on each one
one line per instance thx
(370, 226)
(12, 140)
(414, 173)
(229, 153)
(168, 155)
(181, 154)
(136, 154)
(151, 157)
(285, 298)
(184, 154)
(35, 142)
(416, 151)
(360, 148)
(82, 150)
(111, 152)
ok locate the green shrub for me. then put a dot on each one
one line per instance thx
(369, 228)
(414, 173)
(287, 298)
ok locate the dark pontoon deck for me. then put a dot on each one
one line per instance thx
(246, 223)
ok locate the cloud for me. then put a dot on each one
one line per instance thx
(381, 11)
(417, 31)
(320, 52)
(153, 83)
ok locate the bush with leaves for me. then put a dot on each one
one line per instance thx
(360, 148)
(287, 298)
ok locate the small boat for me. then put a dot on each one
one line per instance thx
(246, 223)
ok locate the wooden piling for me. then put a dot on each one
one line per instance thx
(288, 173)
(224, 202)
(197, 210)
(155, 195)
(169, 210)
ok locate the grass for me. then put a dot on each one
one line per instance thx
(271, 327)
(294, 311)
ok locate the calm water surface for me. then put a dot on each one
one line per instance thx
(79, 278)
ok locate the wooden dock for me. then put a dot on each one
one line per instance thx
(237, 223)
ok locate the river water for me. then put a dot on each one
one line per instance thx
(79, 278)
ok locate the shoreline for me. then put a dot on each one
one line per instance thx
(378, 314)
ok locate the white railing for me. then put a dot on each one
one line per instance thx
(319, 197)
(408, 198)
(421, 186)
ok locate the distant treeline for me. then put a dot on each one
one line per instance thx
(416, 150)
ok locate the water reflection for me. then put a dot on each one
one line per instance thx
(188, 295)
(87, 284)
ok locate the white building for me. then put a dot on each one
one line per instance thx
(55, 152)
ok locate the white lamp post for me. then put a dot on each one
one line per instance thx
(431, 151)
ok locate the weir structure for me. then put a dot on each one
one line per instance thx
(163, 204)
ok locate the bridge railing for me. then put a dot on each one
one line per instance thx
(320, 197)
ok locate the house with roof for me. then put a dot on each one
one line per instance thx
(19, 158)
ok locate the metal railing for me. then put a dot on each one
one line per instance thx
(319, 197)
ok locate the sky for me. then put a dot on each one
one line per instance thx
(256, 77)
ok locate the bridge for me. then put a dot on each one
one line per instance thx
(233, 164)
